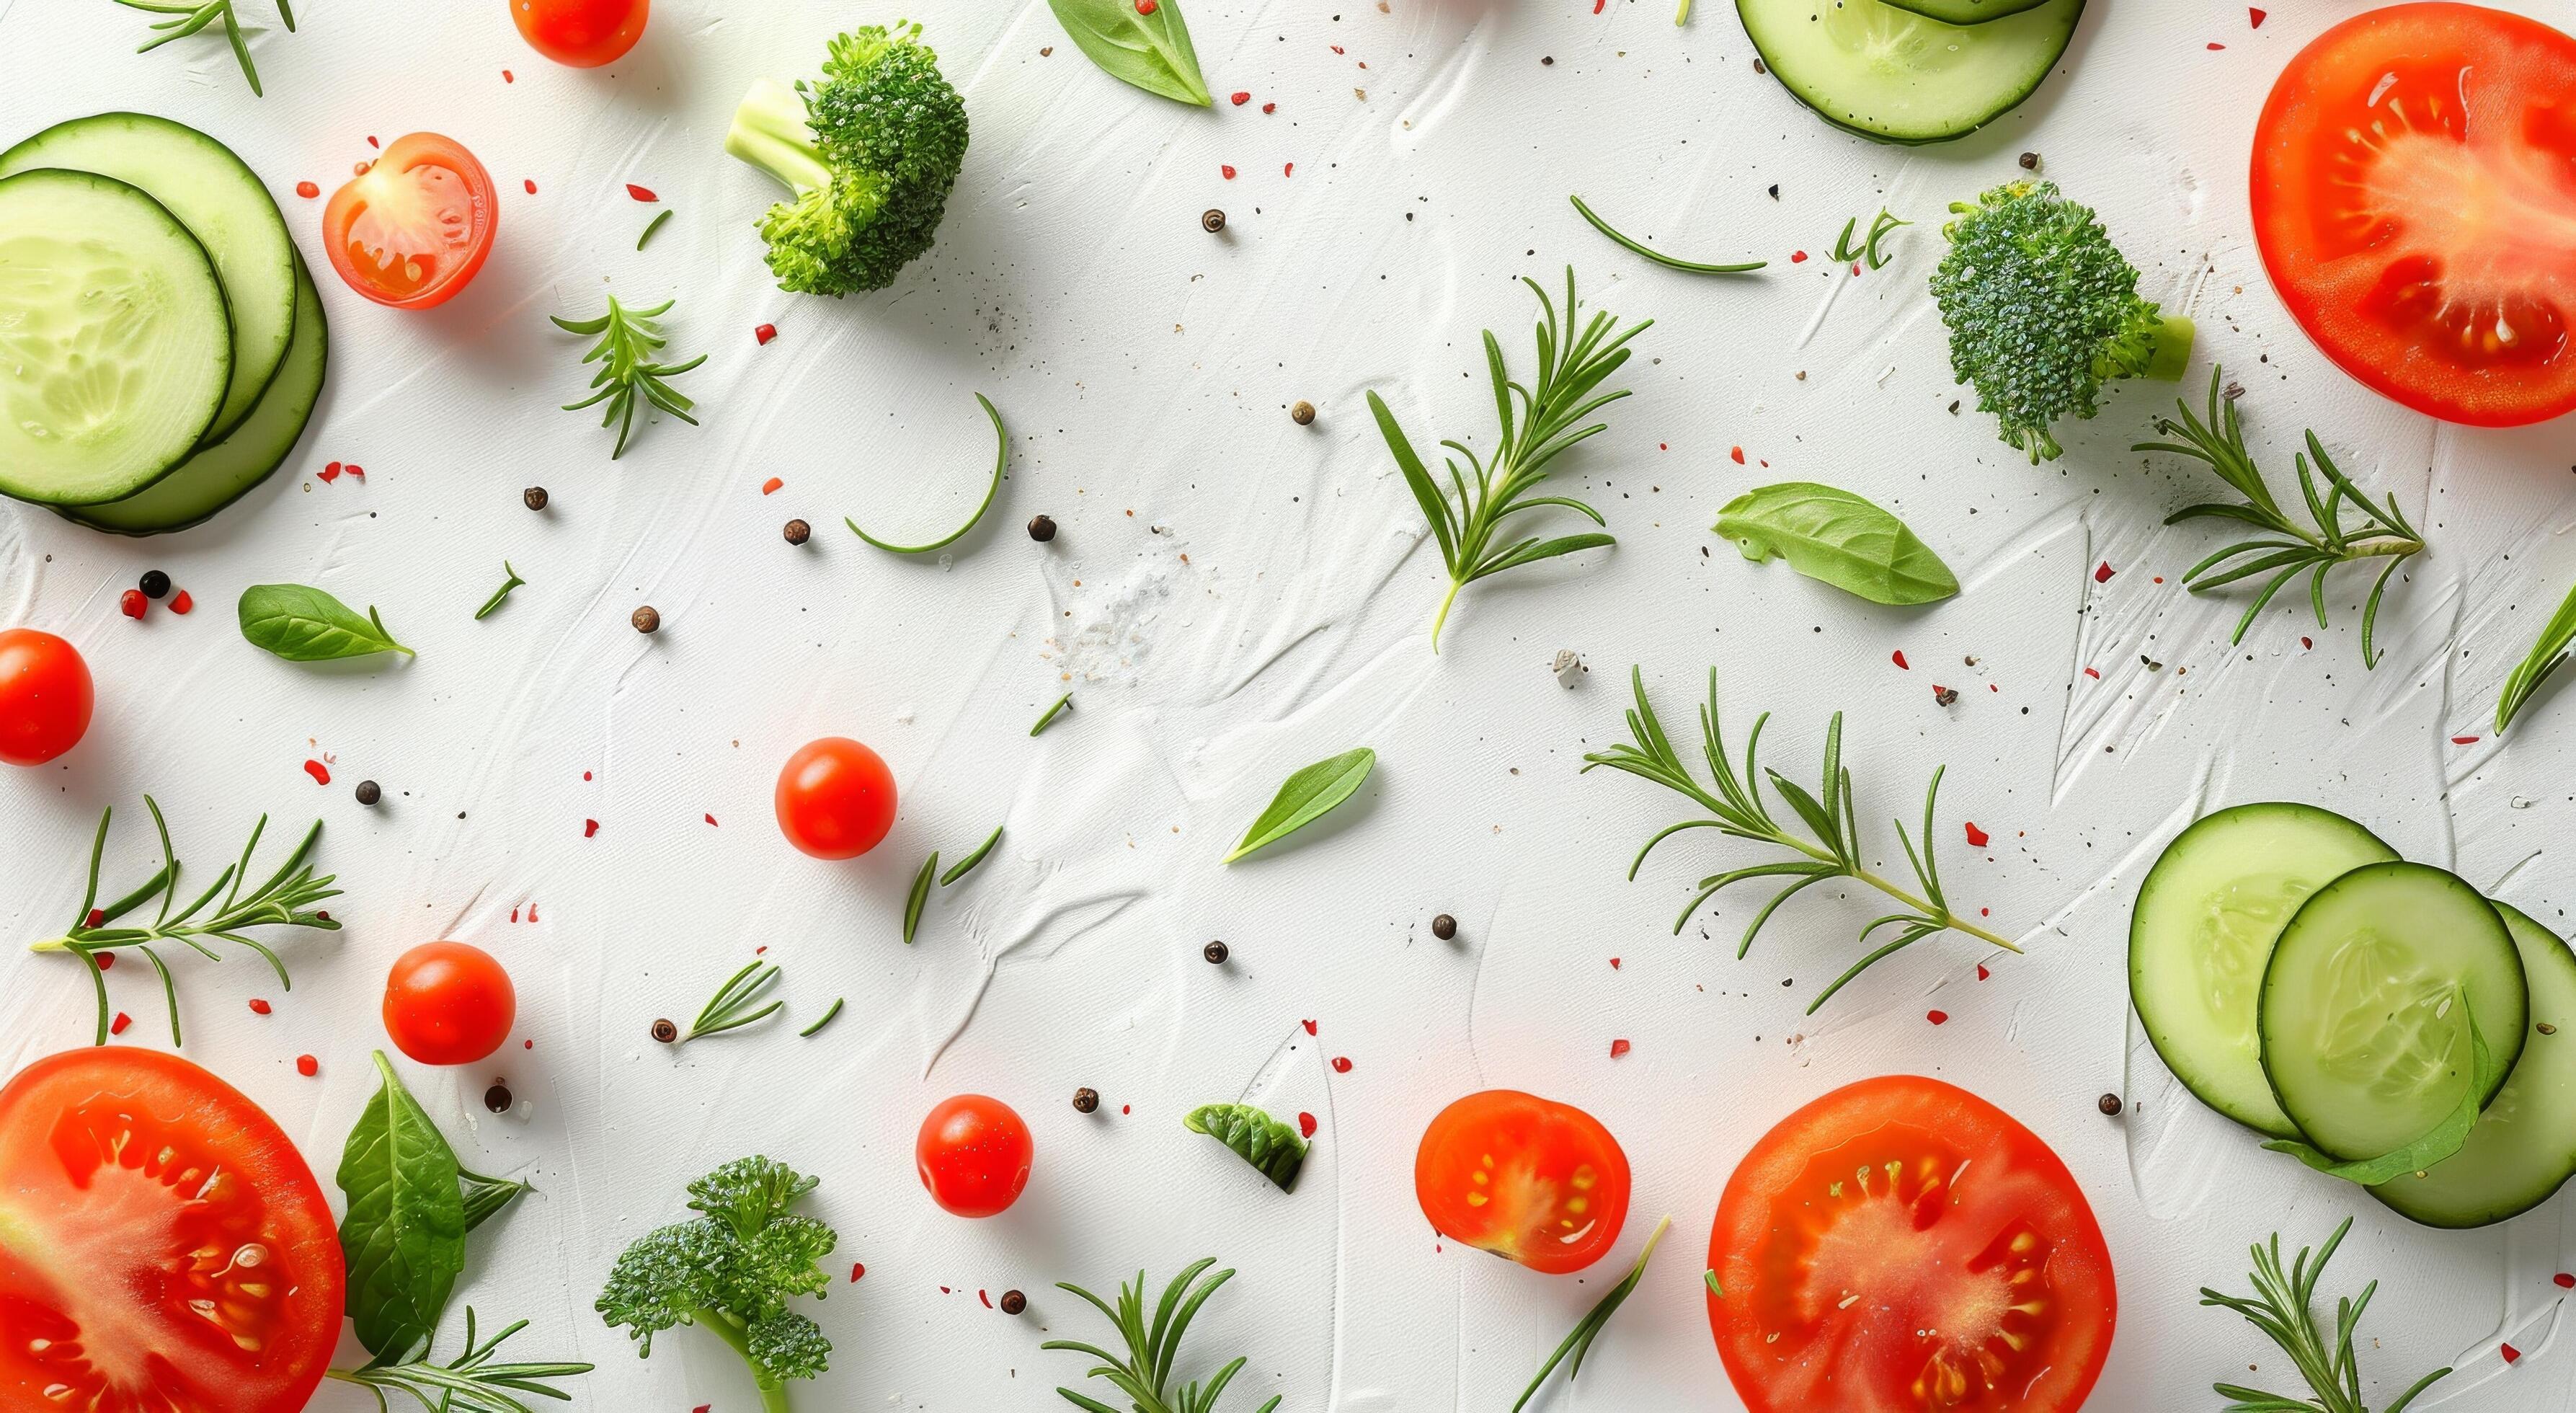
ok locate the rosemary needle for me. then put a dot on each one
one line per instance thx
(1047, 718)
(730, 1007)
(1658, 256)
(920, 894)
(500, 593)
(653, 225)
(966, 865)
(826, 1019)
(1579, 1341)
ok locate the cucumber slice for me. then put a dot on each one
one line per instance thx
(224, 472)
(1966, 12)
(2202, 934)
(114, 344)
(2365, 1037)
(2524, 1147)
(1897, 76)
(220, 201)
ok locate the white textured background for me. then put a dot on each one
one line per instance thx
(1233, 596)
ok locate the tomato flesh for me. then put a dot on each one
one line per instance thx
(2414, 195)
(1528, 1179)
(46, 696)
(414, 227)
(974, 1153)
(1902, 1246)
(162, 1244)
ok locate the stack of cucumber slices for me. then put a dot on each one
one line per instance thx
(161, 343)
(2378, 1018)
(1911, 71)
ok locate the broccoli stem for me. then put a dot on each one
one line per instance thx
(722, 1324)
(770, 132)
(2170, 348)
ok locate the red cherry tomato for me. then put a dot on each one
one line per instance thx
(835, 798)
(45, 697)
(581, 33)
(1525, 1178)
(411, 230)
(447, 1003)
(162, 1245)
(974, 1155)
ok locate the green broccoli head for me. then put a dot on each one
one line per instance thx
(732, 1271)
(870, 152)
(2043, 310)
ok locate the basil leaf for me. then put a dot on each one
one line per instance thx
(1837, 538)
(1271, 1147)
(1305, 797)
(303, 624)
(2439, 1142)
(1150, 51)
(404, 1236)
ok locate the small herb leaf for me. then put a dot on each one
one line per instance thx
(2545, 658)
(1151, 50)
(1047, 719)
(502, 594)
(920, 894)
(303, 624)
(1837, 538)
(1305, 797)
(404, 1234)
(966, 865)
(1271, 1147)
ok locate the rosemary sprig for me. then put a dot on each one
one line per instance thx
(627, 339)
(1846, 253)
(1833, 851)
(499, 594)
(1145, 1375)
(731, 1007)
(1660, 258)
(285, 900)
(1579, 1341)
(469, 1383)
(2282, 1307)
(189, 16)
(1537, 425)
(2283, 549)
(2546, 656)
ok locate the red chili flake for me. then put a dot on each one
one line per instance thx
(180, 603)
(1898, 657)
(1797, 257)
(118, 1025)
(1229, 172)
(1738, 454)
(258, 1007)
(641, 193)
(1618, 1048)
(329, 473)
(2259, 16)
(509, 77)
(321, 773)
(2511, 1354)
(514, 914)
(770, 486)
(1289, 171)
(307, 1066)
(2214, 46)
(1337, 49)
(857, 1269)
(1306, 1124)
(589, 827)
(1976, 837)
(2094, 673)
(1614, 963)
(1855, 269)
(2102, 574)
(1146, 7)
(765, 332)
(1270, 107)
(1242, 98)
(1599, 5)
(1982, 973)
(532, 912)
(1126, 1108)
(307, 190)
(371, 141)
(98, 918)
(132, 603)
(1937, 1017)
(2564, 1281)
(2464, 740)
(2159, 578)
(356, 470)
(105, 959)
(530, 183)
(585, 775)
(711, 819)
(2307, 642)
(988, 1300)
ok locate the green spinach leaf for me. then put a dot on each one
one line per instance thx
(303, 624)
(1305, 797)
(404, 1235)
(1151, 51)
(1271, 1147)
(1837, 538)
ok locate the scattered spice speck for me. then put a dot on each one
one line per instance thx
(1229, 172)
(1982, 973)
(2214, 46)
(1341, 1064)
(2464, 740)
(2510, 1353)
(1797, 257)
(509, 77)
(2093, 672)
(711, 819)
(1241, 98)
(589, 827)
(2564, 1281)
(1289, 171)
(857, 1269)
(1737, 453)
(1976, 837)
(530, 183)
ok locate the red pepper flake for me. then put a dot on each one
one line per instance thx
(321, 773)
(770, 486)
(371, 141)
(329, 473)
(1976, 837)
(2464, 740)
(307, 1066)
(530, 183)
(1229, 172)
(118, 1025)
(988, 1300)
(1599, 5)
(1937, 1017)
(1797, 257)
(1898, 657)
(1614, 963)
(514, 914)
(1341, 1064)
(1310, 1027)
(180, 603)
(2102, 573)
(132, 603)
(2307, 642)
(1242, 98)
(258, 1007)
(765, 332)
(2160, 578)
(2511, 1354)
(1289, 171)
(2215, 46)
(1982, 973)
(532, 912)
(307, 190)
(1618, 1048)
(2259, 16)
(711, 819)
(641, 193)
(356, 470)
(589, 827)
(1337, 49)
(509, 77)
(2094, 673)
(98, 918)
(1269, 107)
(857, 1269)
(105, 959)
(1306, 1124)
(1738, 454)
(2564, 1281)
(585, 775)
(1855, 269)
(1146, 7)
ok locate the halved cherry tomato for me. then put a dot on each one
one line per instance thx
(1528, 1179)
(581, 33)
(1900, 1246)
(449, 1003)
(411, 230)
(162, 1244)
(2415, 200)
(45, 697)
(974, 1154)
(835, 798)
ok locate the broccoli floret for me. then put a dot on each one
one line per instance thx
(732, 1272)
(2043, 310)
(870, 152)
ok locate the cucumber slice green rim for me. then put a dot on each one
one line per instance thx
(1966, 12)
(2201, 936)
(2523, 1148)
(2361, 1019)
(115, 344)
(221, 202)
(1893, 75)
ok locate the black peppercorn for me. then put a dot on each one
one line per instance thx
(1041, 528)
(1444, 927)
(798, 532)
(2108, 1104)
(646, 620)
(1085, 1100)
(2030, 161)
(1303, 414)
(535, 496)
(1013, 1302)
(369, 792)
(1216, 953)
(497, 1098)
(1213, 221)
(665, 1032)
(155, 584)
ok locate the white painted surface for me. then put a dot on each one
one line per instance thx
(1233, 596)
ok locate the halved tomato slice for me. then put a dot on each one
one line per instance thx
(411, 230)
(1528, 1179)
(2415, 200)
(162, 1244)
(1900, 1246)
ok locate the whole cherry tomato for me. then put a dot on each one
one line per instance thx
(974, 1154)
(835, 798)
(45, 697)
(1525, 1178)
(583, 34)
(447, 1003)
(411, 229)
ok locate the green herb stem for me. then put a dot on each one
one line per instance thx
(1144, 1374)
(2283, 1307)
(966, 865)
(1578, 1342)
(469, 1383)
(2545, 658)
(1001, 459)
(1047, 717)
(500, 593)
(731, 1007)
(1660, 258)
(651, 226)
(187, 17)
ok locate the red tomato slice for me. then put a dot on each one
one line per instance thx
(411, 230)
(2415, 200)
(1528, 1179)
(162, 1244)
(1901, 1245)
